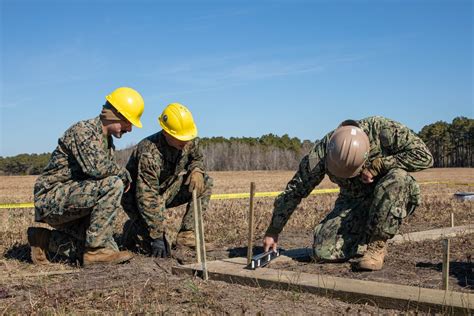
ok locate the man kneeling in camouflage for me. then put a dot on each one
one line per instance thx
(369, 159)
(165, 168)
(80, 190)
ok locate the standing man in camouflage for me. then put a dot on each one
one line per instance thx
(80, 190)
(165, 168)
(369, 160)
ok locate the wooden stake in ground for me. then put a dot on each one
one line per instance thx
(250, 237)
(445, 270)
(202, 240)
(196, 226)
(445, 281)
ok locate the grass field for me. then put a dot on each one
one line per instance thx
(142, 287)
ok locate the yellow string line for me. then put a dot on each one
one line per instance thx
(228, 196)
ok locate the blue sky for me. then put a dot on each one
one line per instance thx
(244, 68)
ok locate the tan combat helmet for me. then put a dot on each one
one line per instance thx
(347, 151)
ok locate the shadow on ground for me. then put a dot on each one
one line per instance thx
(22, 253)
(242, 251)
(462, 271)
(19, 252)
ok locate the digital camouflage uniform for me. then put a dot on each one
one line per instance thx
(362, 211)
(80, 189)
(159, 173)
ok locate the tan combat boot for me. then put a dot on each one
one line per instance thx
(187, 238)
(105, 256)
(373, 256)
(38, 238)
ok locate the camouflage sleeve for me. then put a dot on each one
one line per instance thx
(89, 153)
(149, 202)
(310, 173)
(405, 149)
(197, 159)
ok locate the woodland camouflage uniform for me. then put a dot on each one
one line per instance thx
(362, 211)
(159, 174)
(80, 189)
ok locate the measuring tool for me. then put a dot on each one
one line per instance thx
(464, 196)
(261, 260)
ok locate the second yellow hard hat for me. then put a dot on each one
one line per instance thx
(178, 121)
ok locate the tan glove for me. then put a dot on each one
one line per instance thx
(196, 181)
(376, 167)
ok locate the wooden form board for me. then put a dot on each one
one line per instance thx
(384, 295)
(433, 234)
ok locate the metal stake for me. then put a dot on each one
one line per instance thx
(251, 218)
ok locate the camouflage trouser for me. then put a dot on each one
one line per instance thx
(135, 232)
(83, 215)
(354, 222)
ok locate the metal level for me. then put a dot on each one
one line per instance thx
(464, 196)
(261, 260)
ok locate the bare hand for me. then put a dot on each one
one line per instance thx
(366, 176)
(270, 241)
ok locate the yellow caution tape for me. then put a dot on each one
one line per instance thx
(262, 194)
(17, 205)
(228, 196)
(225, 196)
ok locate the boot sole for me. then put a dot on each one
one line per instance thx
(359, 268)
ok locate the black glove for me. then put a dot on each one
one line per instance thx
(159, 248)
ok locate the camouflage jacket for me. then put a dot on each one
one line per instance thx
(394, 143)
(158, 171)
(83, 153)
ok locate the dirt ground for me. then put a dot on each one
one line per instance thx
(416, 264)
(146, 285)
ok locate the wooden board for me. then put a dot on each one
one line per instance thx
(384, 295)
(433, 234)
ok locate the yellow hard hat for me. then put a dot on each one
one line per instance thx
(129, 103)
(178, 121)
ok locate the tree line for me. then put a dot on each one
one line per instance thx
(451, 144)
(268, 152)
(24, 164)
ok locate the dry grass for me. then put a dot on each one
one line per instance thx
(226, 225)
(226, 219)
(16, 189)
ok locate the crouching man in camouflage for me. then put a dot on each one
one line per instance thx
(369, 160)
(80, 190)
(165, 168)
